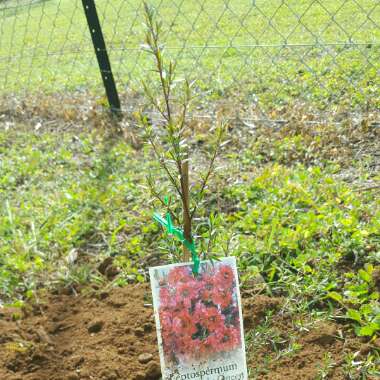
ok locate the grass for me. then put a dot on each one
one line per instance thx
(45, 45)
(296, 226)
(71, 197)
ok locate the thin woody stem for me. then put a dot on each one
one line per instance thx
(185, 202)
(165, 85)
(172, 151)
(162, 163)
(209, 171)
(159, 198)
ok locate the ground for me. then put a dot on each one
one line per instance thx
(110, 334)
(294, 197)
(298, 208)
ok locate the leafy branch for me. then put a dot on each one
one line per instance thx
(170, 143)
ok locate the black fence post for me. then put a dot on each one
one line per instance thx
(102, 55)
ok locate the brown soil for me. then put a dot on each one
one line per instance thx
(110, 336)
(98, 336)
(295, 353)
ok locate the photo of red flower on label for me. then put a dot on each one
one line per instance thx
(199, 320)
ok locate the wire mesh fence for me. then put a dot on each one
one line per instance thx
(319, 54)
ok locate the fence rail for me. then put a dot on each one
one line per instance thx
(319, 54)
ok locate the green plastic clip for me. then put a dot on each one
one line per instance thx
(178, 233)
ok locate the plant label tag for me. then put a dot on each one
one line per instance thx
(199, 321)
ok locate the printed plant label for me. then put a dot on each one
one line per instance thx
(199, 321)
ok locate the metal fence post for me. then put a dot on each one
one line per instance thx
(102, 55)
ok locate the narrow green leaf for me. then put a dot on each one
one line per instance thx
(365, 276)
(368, 330)
(355, 315)
(335, 296)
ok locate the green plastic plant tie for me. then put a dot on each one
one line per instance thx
(178, 233)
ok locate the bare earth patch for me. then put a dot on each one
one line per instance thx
(111, 335)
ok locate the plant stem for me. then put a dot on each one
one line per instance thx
(186, 207)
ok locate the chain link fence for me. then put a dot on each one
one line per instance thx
(319, 55)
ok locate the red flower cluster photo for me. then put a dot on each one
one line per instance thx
(199, 315)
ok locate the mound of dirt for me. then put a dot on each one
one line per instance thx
(106, 336)
(111, 335)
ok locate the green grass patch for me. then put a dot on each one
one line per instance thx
(277, 52)
(306, 234)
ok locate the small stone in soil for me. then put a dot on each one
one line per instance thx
(72, 376)
(67, 352)
(44, 336)
(95, 326)
(153, 371)
(76, 361)
(38, 358)
(145, 358)
(139, 332)
(365, 349)
(108, 374)
(103, 295)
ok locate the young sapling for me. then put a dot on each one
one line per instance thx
(170, 140)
